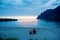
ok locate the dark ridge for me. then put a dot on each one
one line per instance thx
(5, 19)
(50, 14)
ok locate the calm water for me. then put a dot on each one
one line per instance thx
(30, 23)
(20, 29)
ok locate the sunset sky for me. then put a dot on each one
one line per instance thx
(26, 7)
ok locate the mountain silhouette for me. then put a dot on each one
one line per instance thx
(50, 14)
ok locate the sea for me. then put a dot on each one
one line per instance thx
(45, 30)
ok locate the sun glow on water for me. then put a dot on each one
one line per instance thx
(26, 21)
(23, 21)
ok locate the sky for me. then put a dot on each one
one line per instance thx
(26, 7)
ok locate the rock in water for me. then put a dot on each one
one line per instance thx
(33, 31)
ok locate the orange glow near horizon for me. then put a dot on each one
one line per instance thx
(19, 17)
(26, 22)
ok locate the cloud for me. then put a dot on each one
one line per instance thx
(57, 2)
(26, 7)
(50, 2)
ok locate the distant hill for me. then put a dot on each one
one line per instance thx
(4, 20)
(50, 14)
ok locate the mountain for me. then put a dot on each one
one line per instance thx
(50, 14)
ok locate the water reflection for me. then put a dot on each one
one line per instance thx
(28, 22)
(45, 30)
(48, 24)
(31, 23)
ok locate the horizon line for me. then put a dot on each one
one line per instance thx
(19, 17)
